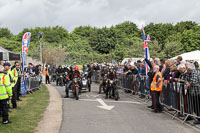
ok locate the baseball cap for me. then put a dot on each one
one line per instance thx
(7, 64)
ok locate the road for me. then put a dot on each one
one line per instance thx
(127, 115)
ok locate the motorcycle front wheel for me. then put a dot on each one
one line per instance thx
(116, 95)
(77, 91)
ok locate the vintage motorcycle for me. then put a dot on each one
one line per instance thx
(112, 90)
(86, 84)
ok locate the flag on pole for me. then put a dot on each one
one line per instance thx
(146, 41)
(25, 45)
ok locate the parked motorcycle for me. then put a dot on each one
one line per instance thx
(85, 81)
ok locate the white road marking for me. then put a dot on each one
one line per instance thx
(104, 105)
(88, 100)
(95, 96)
(108, 101)
(123, 102)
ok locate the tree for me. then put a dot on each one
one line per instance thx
(182, 26)
(135, 50)
(172, 49)
(190, 40)
(103, 40)
(5, 32)
(156, 50)
(53, 56)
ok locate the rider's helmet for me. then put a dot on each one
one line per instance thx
(73, 67)
(111, 69)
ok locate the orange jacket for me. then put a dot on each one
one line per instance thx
(46, 72)
(77, 68)
(154, 83)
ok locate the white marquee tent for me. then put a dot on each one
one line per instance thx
(193, 55)
(8, 55)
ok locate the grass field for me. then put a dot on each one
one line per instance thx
(25, 119)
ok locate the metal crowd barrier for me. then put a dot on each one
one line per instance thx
(127, 82)
(190, 101)
(96, 77)
(175, 95)
(131, 83)
(182, 99)
(33, 83)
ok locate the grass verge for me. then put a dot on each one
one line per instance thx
(25, 120)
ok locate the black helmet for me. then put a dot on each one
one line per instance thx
(110, 68)
(104, 66)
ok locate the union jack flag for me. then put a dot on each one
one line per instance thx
(146, 49)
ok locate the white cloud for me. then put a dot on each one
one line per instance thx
(19, 14)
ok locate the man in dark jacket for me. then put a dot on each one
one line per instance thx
(72, 74)
(151, 74)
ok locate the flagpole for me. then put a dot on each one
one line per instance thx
(40, 35)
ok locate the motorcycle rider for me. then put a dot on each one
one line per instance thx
(66, 69)
(111, 76)
(104, 73)
(59, 72)
(90, 73)
(85, 68)
(73, 73)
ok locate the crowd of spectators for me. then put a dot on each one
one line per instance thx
(172, 70)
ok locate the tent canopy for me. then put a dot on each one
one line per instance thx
(193, 55)
(8, 55)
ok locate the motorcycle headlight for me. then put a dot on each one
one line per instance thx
(75, 80)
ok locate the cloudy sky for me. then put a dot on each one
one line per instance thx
(19, 14)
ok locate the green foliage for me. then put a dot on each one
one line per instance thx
(10, 44)
(90, 44)
(155, 50)
(172, 49)
(103, 40)
(190, 40)
(5, 32)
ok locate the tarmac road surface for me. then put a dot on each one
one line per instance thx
(92, 113)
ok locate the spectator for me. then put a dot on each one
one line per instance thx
(126, 68)
(163, 66)
(46, 74)
(179, 59)
(38, 69)
(134, 70)
(28, 70)
(141, 74)
(120, 69)
(166, 73)
(196, 64)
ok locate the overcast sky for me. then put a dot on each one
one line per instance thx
(19, 14)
